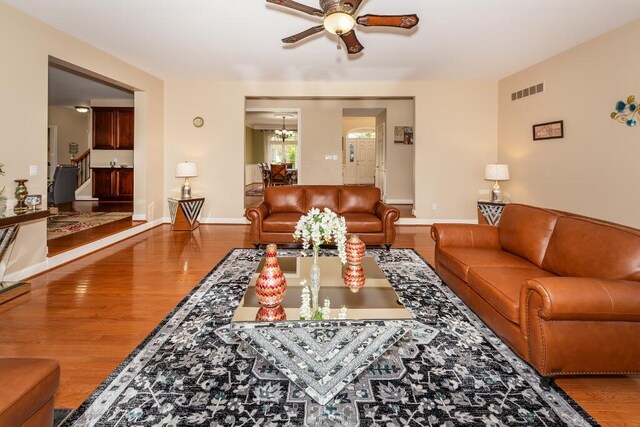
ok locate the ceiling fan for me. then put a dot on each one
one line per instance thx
(338, 18)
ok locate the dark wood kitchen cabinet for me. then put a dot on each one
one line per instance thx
(112, 183)
(113, 128)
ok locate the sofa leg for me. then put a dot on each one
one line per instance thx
(545, 382)
(388, 246)
(256, 245)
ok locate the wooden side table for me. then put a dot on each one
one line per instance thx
(490, 212)
(9, 226)
(185, 213)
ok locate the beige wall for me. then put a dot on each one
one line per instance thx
(594, 169)
(71, 127)
(455, 136)
(24, 105)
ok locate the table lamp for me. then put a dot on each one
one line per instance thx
(186, 170)
(496, 172)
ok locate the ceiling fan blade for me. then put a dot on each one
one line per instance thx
(350, 6)
(351, 41)
(298, 6)
(400, 21)
(306, 33)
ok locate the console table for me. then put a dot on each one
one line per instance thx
(9, 226)
(490, 212)
(185, 213)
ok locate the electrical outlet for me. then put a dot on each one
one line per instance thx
(33, 170)
(434, 206)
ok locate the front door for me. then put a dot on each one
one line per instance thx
(361, 161)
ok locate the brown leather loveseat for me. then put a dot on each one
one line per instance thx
(27, 387)
(562, 290)
(274, 220)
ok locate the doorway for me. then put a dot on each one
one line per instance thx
(360, 164)
(74, 157)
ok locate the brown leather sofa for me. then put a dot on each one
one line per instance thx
(561, 290)
(27, 387)
(274, 220)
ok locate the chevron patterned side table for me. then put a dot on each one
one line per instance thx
(185, 213)
(490, 212)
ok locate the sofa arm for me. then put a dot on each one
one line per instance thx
(256, 214)
(388, 215)
(465, 235)
(581, 298)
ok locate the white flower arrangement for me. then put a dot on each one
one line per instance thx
(324, 313)
(316, 228)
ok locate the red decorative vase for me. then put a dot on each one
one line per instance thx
(354, 277)
(271, 284)
(271, 314)
(355, 249)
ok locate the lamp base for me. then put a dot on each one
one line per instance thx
(496, 193)
(186, 189)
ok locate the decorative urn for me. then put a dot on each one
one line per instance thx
(271, 314)
(355, 250)
(271, 284)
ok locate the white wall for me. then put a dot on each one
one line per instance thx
(594, 169)
(455, 136)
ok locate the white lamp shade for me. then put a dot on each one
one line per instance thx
(339, 22)
(496, 172)
(186, 170)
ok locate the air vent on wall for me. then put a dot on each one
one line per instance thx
(527, 92)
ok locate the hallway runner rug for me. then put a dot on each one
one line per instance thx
(194, 370)
(66, 223)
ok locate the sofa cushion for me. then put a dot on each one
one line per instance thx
(500, 286)
(582, 247)
(526, 230)
(458, 260)
(362, 223)
(288, 198)
(357, 199)
(321, 196)
(281, 222)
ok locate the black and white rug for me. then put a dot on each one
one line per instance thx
(192, 371)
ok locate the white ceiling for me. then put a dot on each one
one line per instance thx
(240, 39)
(67, 88)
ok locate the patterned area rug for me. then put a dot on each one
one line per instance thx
(71, 222)
(194, 370)
(254, 191)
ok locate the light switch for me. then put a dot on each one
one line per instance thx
(33, 170)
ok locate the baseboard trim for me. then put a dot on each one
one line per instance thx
(141, 217)
(65, 257)
(399, 201)
(87, 198)
(421, 221)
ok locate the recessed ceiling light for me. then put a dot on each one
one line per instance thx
(81, 109)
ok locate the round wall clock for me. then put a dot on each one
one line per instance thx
(198, 122)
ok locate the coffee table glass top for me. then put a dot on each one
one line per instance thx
(374, 301)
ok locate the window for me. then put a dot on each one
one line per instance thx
(364, 134)
(283, 151)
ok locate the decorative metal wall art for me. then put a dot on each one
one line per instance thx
(626, 112)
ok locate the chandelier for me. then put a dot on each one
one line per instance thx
(283, 133)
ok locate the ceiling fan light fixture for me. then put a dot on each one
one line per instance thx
(339, 23)
(81, 109)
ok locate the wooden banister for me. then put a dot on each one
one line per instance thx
(83, 161)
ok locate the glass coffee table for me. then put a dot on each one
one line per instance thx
(376, 300)
(321, 357)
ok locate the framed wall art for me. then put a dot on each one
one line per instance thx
(550, 130)
(403, 135)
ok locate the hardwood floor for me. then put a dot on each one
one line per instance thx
(91, 313)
